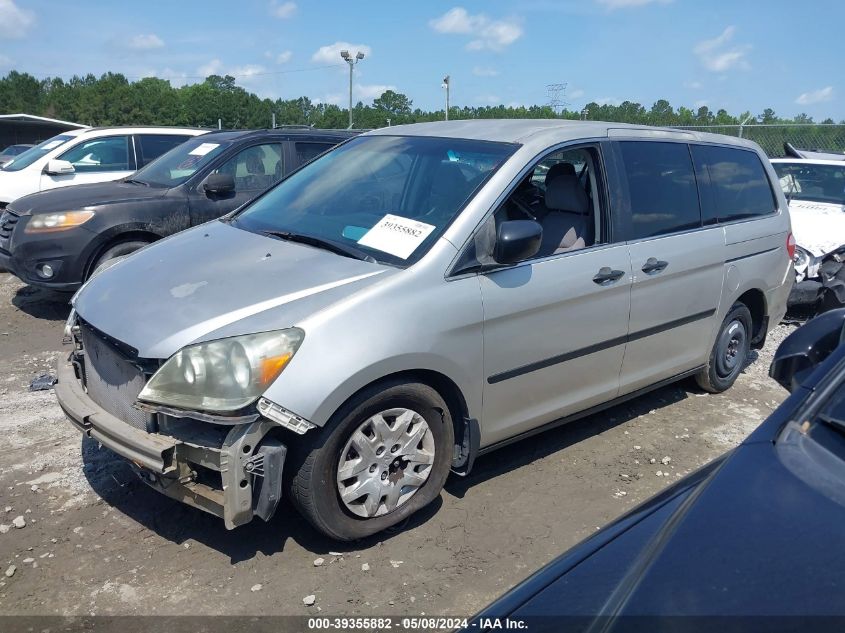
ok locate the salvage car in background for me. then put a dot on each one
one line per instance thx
(57, 239)
(417, 296)
(87, 155)
(815, 191)
(8, 154)
(751, 541)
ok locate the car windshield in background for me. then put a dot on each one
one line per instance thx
(388, 196)
(34, 153)
(180, 163)
(816, 183)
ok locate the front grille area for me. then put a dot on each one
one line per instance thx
(8, 220)
(112, 381)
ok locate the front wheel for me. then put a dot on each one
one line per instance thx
(384, 455)
(115, 252)
(730, 351)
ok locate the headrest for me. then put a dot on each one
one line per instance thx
(565, 193)
(559, 169)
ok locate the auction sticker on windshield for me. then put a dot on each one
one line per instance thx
(203, 149)
(396, 235)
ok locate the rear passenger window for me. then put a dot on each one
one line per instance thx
(307, 151)
(152, 146)
(662, 188)
(738, 186)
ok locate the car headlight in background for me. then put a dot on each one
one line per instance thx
(223, 375)
(802, 258)
(51, 222)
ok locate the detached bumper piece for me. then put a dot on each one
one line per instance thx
(233, 472)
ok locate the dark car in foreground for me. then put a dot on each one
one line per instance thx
(57, 238)
(753, 541)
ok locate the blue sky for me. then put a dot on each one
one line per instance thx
(725, 54)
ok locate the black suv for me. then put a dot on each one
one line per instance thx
(57, 238)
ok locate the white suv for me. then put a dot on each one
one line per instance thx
(87, 155)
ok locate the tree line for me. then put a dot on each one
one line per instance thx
(112, 99)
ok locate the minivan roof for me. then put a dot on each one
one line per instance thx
(535, 130)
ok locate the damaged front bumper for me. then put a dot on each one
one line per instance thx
(819, 282)
(233, 472)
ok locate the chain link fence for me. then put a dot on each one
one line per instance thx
(771, 137)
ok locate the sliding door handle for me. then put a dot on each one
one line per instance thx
(654, 265)
(607, 276)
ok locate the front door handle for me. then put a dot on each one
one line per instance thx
(607, 276)
(654, 265)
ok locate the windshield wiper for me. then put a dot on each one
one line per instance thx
(329, 245)
(135, 181)
(833, 422)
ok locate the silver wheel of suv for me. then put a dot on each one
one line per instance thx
(385, 461)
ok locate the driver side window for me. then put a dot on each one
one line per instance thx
(255, 168)
(562, 193)
(110, 153)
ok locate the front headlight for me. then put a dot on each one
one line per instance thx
(52, 222)
(224, 375)
(801, 259)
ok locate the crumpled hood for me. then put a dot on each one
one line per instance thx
(818, 227)
(213, 281)
(89, 195)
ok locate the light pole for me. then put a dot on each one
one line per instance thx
(351, 61)
(446, 85)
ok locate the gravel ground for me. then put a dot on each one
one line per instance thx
(96, 541)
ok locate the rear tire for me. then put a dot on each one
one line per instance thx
(113, 252)
(330, 504)
(730, 351)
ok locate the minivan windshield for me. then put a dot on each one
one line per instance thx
(34, 153)
(183, 161)
(389, 197)
(816, 183)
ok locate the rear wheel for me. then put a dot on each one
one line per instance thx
(113, 252)
(730, 351)
(384, 455)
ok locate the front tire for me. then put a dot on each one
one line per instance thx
(730, 351)
(120, 249)
(382, 456)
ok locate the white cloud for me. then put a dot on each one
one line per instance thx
(360, 92)
(480, 71)
(815, 96)
(145, 42)
(330, 54)
(608, 101)
(694, 85)
(14, 21)
(489, 99)
(211, 68)
(576, 94)
(284, 10)
(486, 33)
(365, 93)
(284, 57)
(627, 4)
(718, 55)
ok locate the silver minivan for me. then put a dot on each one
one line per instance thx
(419, 296)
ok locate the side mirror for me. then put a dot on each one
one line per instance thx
(219, 183)
(517, 240)
(806, 348)
(56, 167)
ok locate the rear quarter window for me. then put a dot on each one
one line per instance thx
(661, 186)
(154, 145)
(734, 184)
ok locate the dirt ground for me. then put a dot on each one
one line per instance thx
(96, 541)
